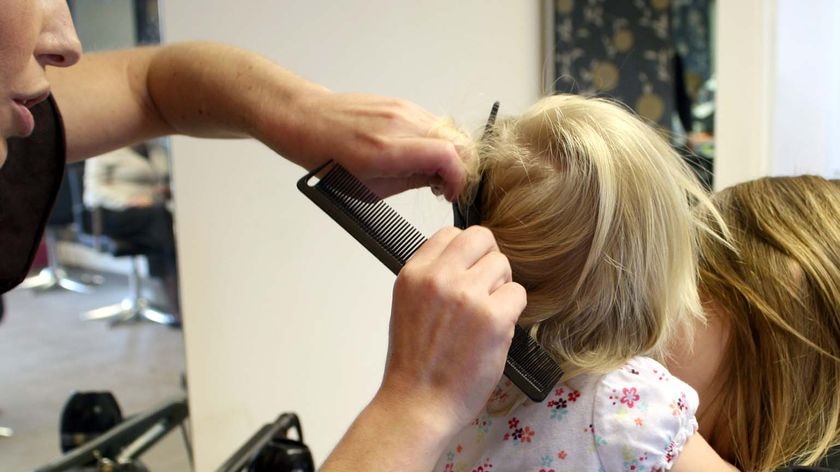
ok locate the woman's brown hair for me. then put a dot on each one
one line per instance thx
(780, 292)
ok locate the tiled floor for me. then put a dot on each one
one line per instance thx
(47, 352)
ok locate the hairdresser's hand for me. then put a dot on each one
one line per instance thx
(390, 144)
(452, 321)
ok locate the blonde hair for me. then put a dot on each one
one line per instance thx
(780, 294)
(592, 208)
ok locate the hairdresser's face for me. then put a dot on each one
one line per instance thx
(33, 34)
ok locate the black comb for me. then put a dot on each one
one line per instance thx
(393, 241)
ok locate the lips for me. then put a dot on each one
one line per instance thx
(22, 105)
(32, 100)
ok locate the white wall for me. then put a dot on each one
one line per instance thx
(807, 93)
(744, 64)
(284, 311)
(778, 101)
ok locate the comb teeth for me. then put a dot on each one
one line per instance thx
(395, 235)
(393, 241)
(530, 366)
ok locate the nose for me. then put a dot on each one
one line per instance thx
(58, 45)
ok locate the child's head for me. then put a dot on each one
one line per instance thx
(593, 209)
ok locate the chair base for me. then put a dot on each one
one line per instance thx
(54, 278)
(130, 311)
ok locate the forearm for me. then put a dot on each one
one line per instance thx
(389, 436)
(114, 99)
(214, 90)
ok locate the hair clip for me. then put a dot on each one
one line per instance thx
(469, 214)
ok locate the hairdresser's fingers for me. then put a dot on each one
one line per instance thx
(431, 250)
(509, 300)
(470, 246)
(491, 271)
(418, 162)
(386, 186)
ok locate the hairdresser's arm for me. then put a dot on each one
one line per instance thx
(698, 456)
(113, 99)
(456, 287)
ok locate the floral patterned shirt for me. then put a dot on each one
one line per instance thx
(637, 418)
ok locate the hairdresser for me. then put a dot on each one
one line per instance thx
(56, 106)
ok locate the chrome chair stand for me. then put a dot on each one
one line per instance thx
(54, 276)
(135, 308)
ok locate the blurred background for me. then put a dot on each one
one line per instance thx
(275, 307)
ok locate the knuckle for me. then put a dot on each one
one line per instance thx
(447, 232)
(500, 260)
(482, 234)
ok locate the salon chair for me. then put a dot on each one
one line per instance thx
(135, 307)
(119, 448)
(54, 276)
(270, 449)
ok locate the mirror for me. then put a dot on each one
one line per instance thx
(87, 268)
(655, 56)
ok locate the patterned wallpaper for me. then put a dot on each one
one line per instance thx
(652, 55)
(617, 48)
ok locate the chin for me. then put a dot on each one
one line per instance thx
(3, 151)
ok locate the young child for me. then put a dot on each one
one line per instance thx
(594, 210)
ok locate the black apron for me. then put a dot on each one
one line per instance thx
(29, 182)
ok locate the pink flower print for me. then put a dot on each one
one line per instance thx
(459, 449)
(680, 407)
(573, 396)
(527, 434)
(661, 375)
(485, 467)
(636, 465)
(558, 405)
(546, 470)
(483, 424)
(670, 452)
(449, 467)
(629, 397)
(682, 403)
(518, 435)
(562, 455)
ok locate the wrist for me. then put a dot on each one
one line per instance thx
(285, 122)
(417, 435)
(424, 410)
(420, 421)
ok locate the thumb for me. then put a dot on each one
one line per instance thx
(420, 161)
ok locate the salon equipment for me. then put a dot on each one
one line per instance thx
(271, 450)
(393, 240)
(135, 307)
(119, 448)
(87, 415)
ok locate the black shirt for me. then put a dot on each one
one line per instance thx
(29, 182)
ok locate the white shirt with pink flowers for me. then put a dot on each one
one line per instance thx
(637, 418)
